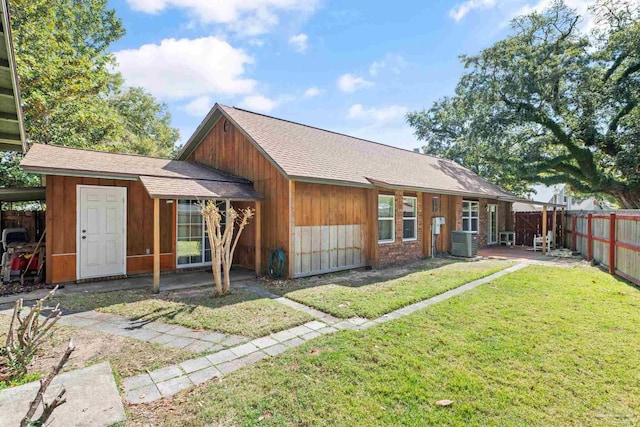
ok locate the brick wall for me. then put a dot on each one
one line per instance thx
(400, 251)
(504, 210)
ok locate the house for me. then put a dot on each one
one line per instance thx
(329, 201)
(558, 195)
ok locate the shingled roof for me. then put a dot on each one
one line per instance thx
(162, 178)
(307, 153)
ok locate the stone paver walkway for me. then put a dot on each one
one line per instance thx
(152, 331)
(172, 379)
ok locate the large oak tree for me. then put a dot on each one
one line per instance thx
(71, 93)
(549, 104)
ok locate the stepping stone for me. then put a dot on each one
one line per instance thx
(310, 336)
(138, 381)
(159, 327)
(275, 349)
(315, 325)
(195, 364)
(145, 394)
(163, 339)
(173, 386)
(198, 346)
(264, 342)
(203, 375)
(300, 330)
(214, 337)
(283, 335)
(232, 340)
(92, 399)
(165, 373)
(180, 342)
(327, 330)
(221, 357)
(244, 349)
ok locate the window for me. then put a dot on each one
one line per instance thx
(193, 240)
(470, 211)
(386, 219)
(409, 218)
(435, 204)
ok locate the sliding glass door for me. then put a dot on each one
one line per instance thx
(193, 249)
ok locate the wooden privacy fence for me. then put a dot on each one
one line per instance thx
(612, 239)
(529, 225)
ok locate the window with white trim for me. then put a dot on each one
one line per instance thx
(409, 218)
(386, 219)
(470, 210)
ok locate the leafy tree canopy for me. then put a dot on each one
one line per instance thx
(71, 94)
(549, 104)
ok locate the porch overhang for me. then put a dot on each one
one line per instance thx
(176, 188)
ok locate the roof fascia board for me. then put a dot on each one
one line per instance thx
(14, 73)
(329, 182)
(45, 171)
(434, 190)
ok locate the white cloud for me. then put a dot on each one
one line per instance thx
(199, 107)
(259, 103)
(246, 17)
(461, 10)
(312, 91)
(350, 83)
(383, 114)
(185, 68)
(394, 62)
(299, 42)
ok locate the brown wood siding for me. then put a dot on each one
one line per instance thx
(231, 152)
(61, 227)
(319, 204)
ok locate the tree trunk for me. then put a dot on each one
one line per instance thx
(628, 198)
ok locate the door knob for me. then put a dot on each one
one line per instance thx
(84, 237)
(84, 231)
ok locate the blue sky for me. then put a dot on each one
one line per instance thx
(350, 66)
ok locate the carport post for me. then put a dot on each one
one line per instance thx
(156, 246)
(544, 229)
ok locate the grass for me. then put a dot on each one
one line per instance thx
(127, 356)
(239, 313)
(542, 346)
(365, 299)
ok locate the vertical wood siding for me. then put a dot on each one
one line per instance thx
(61, 227)
(330, 230)
(233, 153)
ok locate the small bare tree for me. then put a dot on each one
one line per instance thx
(48, 408)
(26, 334)
(223, 243)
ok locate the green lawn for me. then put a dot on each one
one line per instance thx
(240, 313)
(365, 299)
(544, 346)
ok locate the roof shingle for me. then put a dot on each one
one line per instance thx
(306, 152)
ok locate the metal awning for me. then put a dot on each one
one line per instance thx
(177, 188)
(22, 194)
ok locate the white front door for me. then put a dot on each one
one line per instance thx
(101, 250)
(492, 233)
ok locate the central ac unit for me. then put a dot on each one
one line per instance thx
(464, 243)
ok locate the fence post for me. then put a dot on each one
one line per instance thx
(589, 238)
(612, 243)
(574, 230)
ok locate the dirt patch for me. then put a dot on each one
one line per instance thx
(127, 356)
